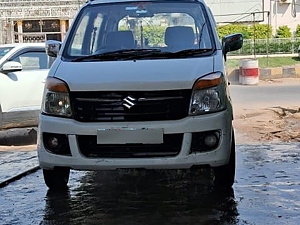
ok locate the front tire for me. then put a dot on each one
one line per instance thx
(224, 175)
(57, 178)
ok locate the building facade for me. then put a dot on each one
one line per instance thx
(283, 12)
(35, 20)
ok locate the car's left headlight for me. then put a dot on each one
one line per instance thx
(56, 100)
(208, 95)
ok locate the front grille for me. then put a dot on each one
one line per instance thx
(170, 147)
(130, 105)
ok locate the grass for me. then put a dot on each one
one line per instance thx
(266, 62)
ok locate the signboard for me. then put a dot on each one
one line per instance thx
(232, 11)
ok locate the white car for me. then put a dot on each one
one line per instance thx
(138, 84)
(23, 70)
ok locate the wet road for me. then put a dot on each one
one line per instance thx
(266, 191)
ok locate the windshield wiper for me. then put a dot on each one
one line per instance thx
(120, 54)
(185, 53)
(128, 54)
(192, 52)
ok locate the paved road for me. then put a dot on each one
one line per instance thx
(266, 191)
(14, 164)
(281, 92)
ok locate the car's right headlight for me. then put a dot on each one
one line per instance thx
(208, 95)
(56, 100)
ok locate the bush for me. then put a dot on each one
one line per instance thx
(247, 49)
(260, 31)
(296, 45)
(159, 36)
(297, 32)
(224, 30)
(283, 32)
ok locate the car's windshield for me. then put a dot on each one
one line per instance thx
(164, 26)
(4, 51)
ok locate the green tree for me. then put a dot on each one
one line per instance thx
(283, 32)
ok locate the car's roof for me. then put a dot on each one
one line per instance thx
(20, 45)
(112, 1)
(16, 47)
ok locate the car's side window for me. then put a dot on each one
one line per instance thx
(84, 44)
(32, 60)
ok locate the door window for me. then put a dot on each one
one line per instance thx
(4, 51)
(32, 60)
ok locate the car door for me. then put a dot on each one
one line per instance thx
(22, 90)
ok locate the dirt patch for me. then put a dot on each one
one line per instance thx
(269, 125)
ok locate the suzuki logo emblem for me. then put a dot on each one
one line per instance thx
(129, 101)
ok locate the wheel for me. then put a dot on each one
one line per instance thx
(224, 175)
(57, 178)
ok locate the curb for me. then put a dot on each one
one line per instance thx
(269, 73)
(18, 136)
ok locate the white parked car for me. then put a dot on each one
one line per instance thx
(138, 84)
(23, 70)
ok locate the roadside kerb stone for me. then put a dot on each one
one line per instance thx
(288, 71)
(297, 69)
(269, 73)
(264, 73)
(18, 136)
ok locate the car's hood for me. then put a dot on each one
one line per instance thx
(137, 75)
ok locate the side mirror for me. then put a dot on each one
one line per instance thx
(52, 48)
(231, 43)
(11, 66)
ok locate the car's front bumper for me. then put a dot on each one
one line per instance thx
(221, 121)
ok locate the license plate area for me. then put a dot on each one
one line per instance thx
(129, 136)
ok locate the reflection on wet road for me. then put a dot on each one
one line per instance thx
(144, 198)
(267, 191)
(141, 199)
